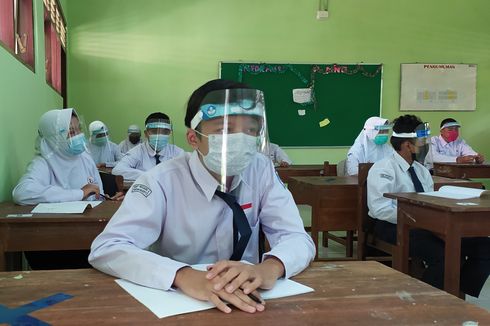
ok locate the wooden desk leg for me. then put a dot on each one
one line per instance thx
(452, 263)
(401, 254)
(349, 243)
(3, 257)
(314, 226)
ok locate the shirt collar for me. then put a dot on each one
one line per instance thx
(443, 141)
(205, 180)
(401, 161)
(151, 152)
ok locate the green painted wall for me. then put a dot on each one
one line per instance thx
(24, 96)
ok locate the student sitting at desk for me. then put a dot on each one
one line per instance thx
(402, 172)
(279, 156)
(370, 146)
(133, 139)
(61, 171)
(104, 152)
(154, 150)
(449, 147)
(202, 208)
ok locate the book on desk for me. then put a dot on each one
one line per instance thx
(454, 192)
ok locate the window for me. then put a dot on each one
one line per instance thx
(55, 42)
(16, 29)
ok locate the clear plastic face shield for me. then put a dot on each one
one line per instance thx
(382, 133)
(422, 143)
(99, 134)
(450, 131)
(232, 124)
(159, 134)
(134, 134)
(76, 141)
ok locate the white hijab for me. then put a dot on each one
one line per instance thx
(70, 171)
(364, 146)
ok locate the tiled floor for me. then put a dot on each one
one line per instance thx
(337, 250)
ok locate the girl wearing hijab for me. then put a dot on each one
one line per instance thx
(61, 169)
(104, 152)
(370, 146)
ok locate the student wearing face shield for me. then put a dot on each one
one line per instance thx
(208, 207)
(156, 149)
(450, 147)
(61, 171)
(132, 140)
(371, 144)
(104, 152)
(403, 172)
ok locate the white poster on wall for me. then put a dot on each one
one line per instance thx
(432, 87)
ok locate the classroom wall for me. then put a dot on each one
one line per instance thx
(128, 58)
(24, 97)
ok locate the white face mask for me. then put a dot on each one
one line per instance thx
(240, 150)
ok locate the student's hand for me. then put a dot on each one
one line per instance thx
(100, 165)
(233, 275)
(479, 158)
(465, 159)
(90, 189)
(195, 284)
(284, 164)
(118, 196)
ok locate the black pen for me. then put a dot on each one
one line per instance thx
(254, 298)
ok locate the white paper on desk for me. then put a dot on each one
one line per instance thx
(169, 303)
(453, 192)
(69, 207)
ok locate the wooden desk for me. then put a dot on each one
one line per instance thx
(50, 231)
(443, 181)
(443, 216)
(298, 171)
(333, 202)
(462, 171)
(352, 293)
(127, 184)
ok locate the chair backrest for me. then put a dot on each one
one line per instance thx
(112, 183)
(365, 235)
(329, 169)
(341, 168)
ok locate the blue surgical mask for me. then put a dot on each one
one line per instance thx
(158, 142)
(100, 141)
(76, 144)
(380, 139)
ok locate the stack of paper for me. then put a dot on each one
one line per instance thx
(70, 207)
(169, 303)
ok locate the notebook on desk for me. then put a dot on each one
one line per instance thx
(70, 207)
(454, 192)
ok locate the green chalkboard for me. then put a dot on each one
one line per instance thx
(345, 94)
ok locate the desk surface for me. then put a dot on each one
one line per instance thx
(457, 170)
(443, 204)
(50, 231)
(361, 293)
(102, 212)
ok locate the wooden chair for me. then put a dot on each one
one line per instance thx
(112, 183)
(365, 233)
(329, 169)
(348, 240)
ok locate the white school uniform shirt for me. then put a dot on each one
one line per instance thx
(173, 209)
(142, 158)
(364, 150)
(125, 146)
(278, 155)
(108, 153)
(391, 175)
(40, 184)
(442, 151)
